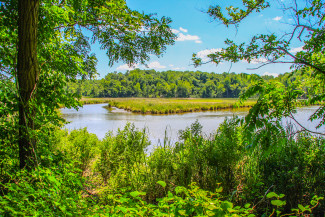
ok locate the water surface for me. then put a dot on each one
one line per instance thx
(99, 120)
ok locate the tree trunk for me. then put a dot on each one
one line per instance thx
(27, 77)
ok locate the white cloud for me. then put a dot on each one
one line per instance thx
(170, 65)
(127, 67)
(271, 74)
(277, 18)
(203, 54)
(183, 30)
(297, 49)
(175, 31)
(256, 61)
(179, 68)
(182, 37)
(259, 60)
(155, 65)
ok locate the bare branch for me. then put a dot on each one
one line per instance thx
(268, 63)
(304, 128)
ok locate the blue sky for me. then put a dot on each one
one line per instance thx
(197, 33)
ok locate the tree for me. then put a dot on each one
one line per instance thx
(27, 76)
(276, 100)
(183, 89)
(53, 40)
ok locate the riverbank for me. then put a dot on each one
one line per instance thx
(175, 105)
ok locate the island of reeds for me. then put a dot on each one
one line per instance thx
(171, 106)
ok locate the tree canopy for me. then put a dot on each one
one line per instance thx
(168, 84)
(51, 45)
(307, 27)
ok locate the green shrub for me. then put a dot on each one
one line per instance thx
(122, 157)
(191, 201)
(79, 146)
(225, 153)
(45, 192)
(288, 164)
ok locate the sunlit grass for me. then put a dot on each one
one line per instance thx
(88, 100)
(175, 105)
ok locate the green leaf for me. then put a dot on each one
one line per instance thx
(123, 209)
(212, 207)
(135, 193)
(301, 207)
(281, 195)
(210, 213)
(247, 205)
(219, 190)
(278, 202)
(272, 194)
(162, 183)
(225, 205)
(182, 212)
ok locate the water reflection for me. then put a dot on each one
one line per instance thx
(99, 120)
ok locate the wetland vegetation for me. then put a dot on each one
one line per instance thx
(170, 106)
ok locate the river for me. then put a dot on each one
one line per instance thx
(99, 121)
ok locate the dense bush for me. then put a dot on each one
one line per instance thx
(80, 145)
(44, 192)
(81, 175)
(122, 157)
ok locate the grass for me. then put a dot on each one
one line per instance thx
(175, 105)
(88, 100)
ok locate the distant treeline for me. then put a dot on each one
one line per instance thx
(149, 83)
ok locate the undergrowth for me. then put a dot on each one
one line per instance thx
(227, 174)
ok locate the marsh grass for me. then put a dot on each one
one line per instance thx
(88, 100)
(175, 105)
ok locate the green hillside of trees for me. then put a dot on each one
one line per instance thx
(184, 84)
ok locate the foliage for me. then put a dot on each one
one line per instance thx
(274, 97)
(284, 163)
(118, 170)
(45, 191)
(167, 84)
(191, 201)
(308, 16)
(169, 106)
(80, 145)
(121, 157)
(50, 193)
(226, 151)
(8, 129)
(127, 35)
(64, 30)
